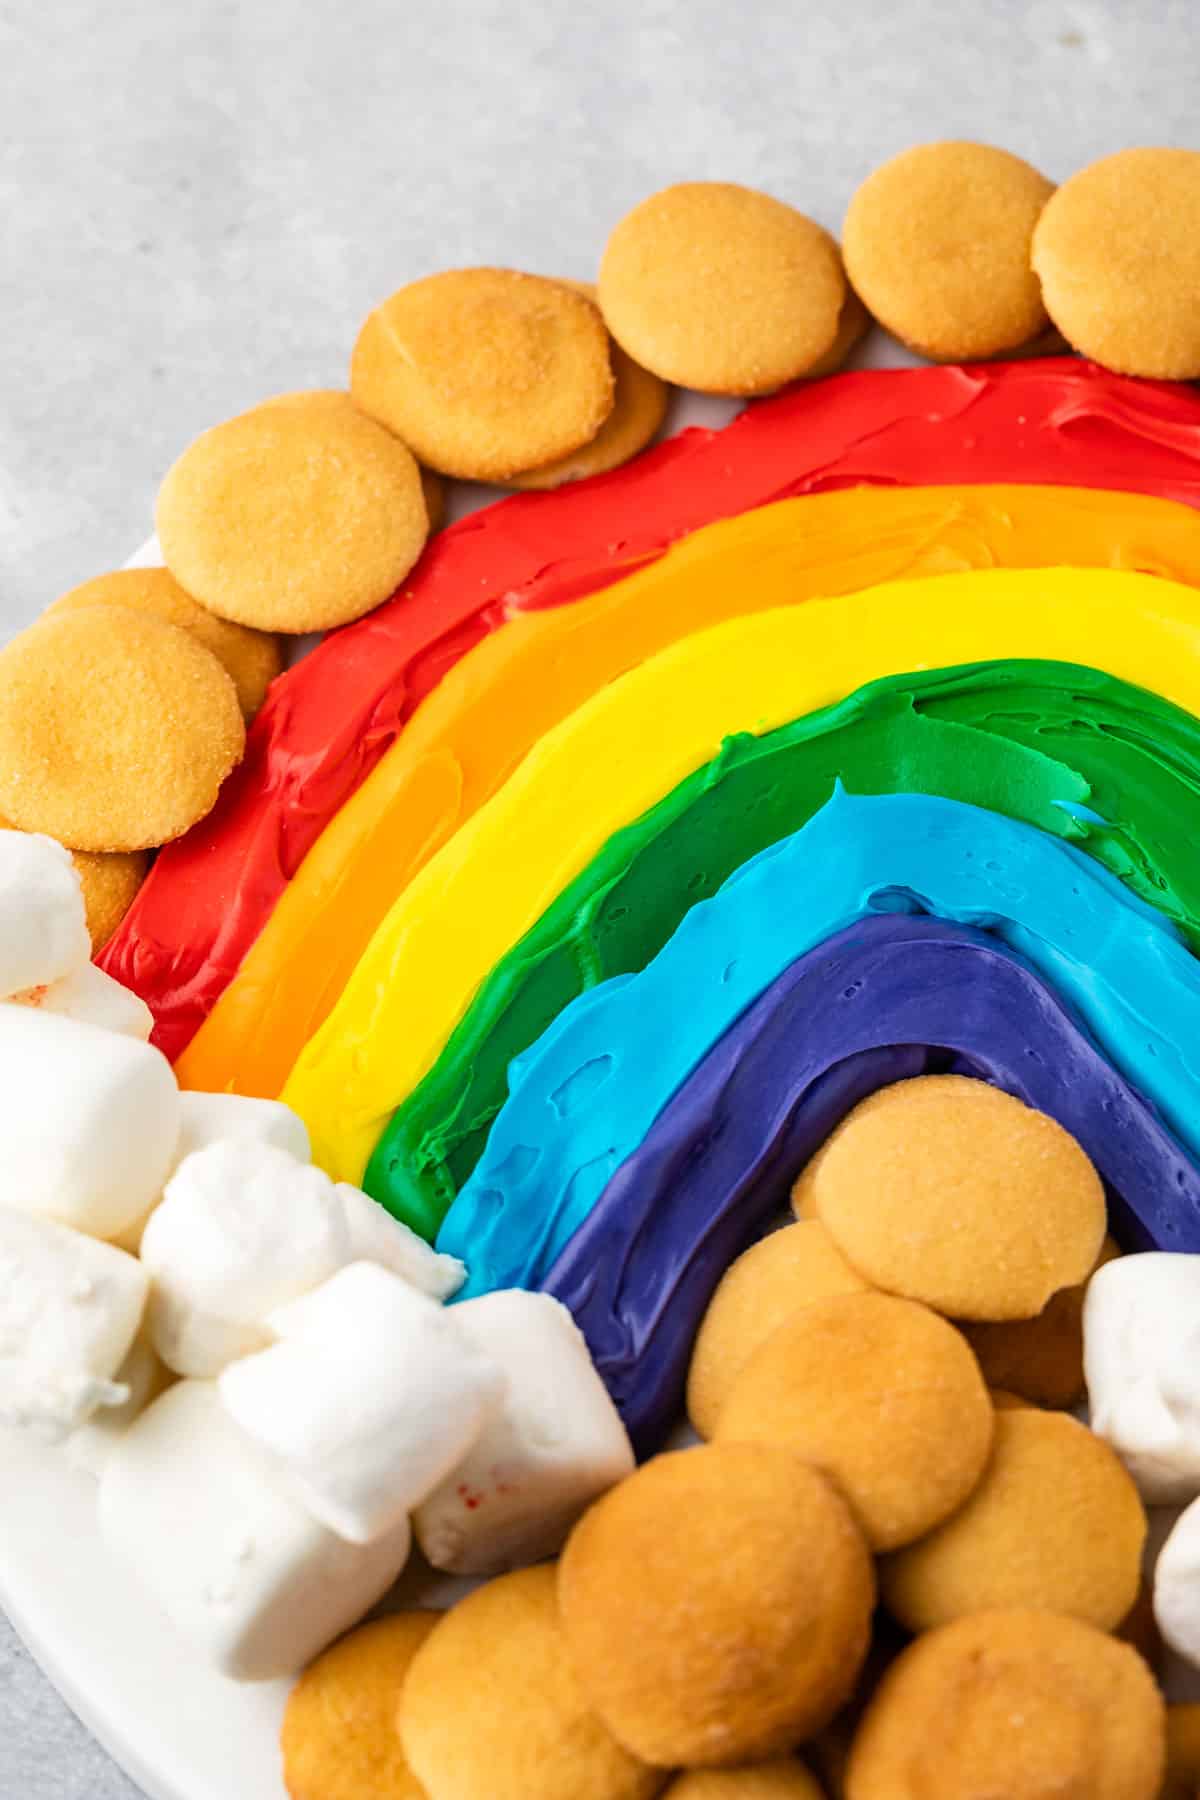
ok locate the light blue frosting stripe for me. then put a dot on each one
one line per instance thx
(582, 1098)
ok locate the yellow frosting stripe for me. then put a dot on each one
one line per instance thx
(618, 754)
(487, 713)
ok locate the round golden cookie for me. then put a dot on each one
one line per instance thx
(949, 1191)
(936, 242)
(882, 1396)
(339, 1737)
(1139, 1627)
(292, 518)
(116, 729)
(1118, 253)
(110, 886)
(1183, 1753)
(252, 658)
(721, 288)
(485, 372)
(782, 1779)
(1055, 1522)
(338, 400)
(1012, 1705)
(762, 1290)
(854, 322)
(491, 1709)
(717, 1605)
(1003, 1400)
(639, 407)
(1042, 1358)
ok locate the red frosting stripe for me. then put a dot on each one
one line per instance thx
(327, 722)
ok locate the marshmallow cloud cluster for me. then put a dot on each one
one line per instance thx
(254, 1361)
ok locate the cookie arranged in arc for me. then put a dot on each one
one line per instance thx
(937, 243)
(110, 886)
(1016, 1702)
(337, 401)
(948, 1191)
(485, 372)
(1056, 1522)
(292, 518)
(762, 1290)
(721, 288)
(339, 1738)
(785, 1778)
(1041, 1358)
(762, 1557)
(1117, 251)
(639, 407)
(491, 1708)
(883, 1397)
(142, 759)
(109, 881)
(252, 658)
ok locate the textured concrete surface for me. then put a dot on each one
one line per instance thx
(200, 203)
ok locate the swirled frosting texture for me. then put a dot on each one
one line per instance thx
(326, 723)
(588, 1092)
(887, 998)
(1072, 751)
(491, 708)
(621, 752)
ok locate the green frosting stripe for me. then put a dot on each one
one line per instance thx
(1112, 767)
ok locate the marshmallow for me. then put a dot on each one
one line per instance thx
(95, 998)
(1177, 1586)
(242, 1570)
(144, 1378)
(1141, 1334)
(370, 1398)
(379, 1238)
(88, 1121)
(552, 1447)
(43, 925)
(69, 1310)
(244, 1227)
(213, 1118)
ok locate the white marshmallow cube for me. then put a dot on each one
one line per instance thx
(70, 1308)
(370, 1398)
(1177, 1586)
(1141, 1328)
(243, 1227)
(554, 1445)
(88, 1121)
(247, 1576)
(43, 925)
(95, 998)
(215, 1118)
(144, 1378)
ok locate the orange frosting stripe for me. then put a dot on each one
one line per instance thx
(471, 732)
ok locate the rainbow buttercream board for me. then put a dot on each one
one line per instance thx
(622, 751)
(637, 1269)
(489, 711)
(327, 723)
(588, 1092)
(1114, 768)
(893, 996)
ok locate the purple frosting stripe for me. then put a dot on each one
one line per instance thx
(890, 997)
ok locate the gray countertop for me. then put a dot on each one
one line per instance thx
(201, 202)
